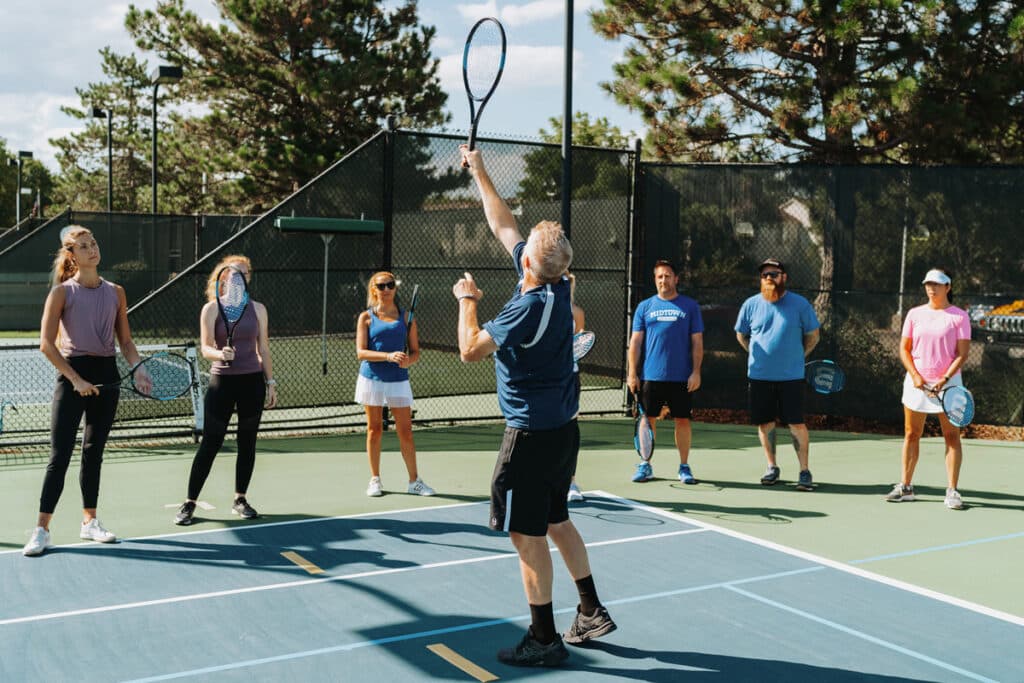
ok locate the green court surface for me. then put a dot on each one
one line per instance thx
(974, 554)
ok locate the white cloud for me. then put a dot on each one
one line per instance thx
(526, 66)
(521, 15)
(36, 117)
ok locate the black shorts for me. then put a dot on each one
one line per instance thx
(776, 400)
(654, 395)
(530, 485)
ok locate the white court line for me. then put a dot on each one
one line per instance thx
(863, 636)
(258, 525)
(306, 582)
(834, 564)
(729, 585)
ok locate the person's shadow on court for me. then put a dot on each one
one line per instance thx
(724, 667)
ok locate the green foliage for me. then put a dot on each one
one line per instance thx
(290, 85)
(850, 82)
(82, 156)
(34, 176)
(594, 176)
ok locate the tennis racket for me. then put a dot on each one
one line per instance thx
(3, 407)
(232, 300)
(483, 61)
(958, 404)
(643, 435)
(582, 342)
(412, 311)
(824, 376)
(163, 376)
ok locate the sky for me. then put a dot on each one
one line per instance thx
(50, 47)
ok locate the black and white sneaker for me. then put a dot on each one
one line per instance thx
(242, 508)
(530, 652)
(185, 512)
(770, 477)
(589, 626)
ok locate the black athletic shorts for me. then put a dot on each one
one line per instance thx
(531, 479)
(771, 401)
(654, 395)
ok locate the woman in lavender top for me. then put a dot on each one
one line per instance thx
(83, 316)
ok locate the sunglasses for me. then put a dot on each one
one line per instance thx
(771, 274)
(384, 285)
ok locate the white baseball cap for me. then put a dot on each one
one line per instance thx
(937, 276)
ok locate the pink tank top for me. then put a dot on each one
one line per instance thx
(87, 321)
(245, 340)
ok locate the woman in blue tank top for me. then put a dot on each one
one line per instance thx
(381, 334)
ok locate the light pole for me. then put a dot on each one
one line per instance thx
(567, 124)
(19, 162)
(161, 74)
(100, 113)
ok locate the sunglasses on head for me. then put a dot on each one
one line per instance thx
(771, 274)
(385, 285)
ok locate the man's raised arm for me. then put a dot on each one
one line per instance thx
(499, 217)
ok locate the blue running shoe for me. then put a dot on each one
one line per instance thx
(644, 472)
(685, 475)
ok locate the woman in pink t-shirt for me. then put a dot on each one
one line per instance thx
(933, 349)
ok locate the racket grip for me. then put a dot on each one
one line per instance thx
(472, 138)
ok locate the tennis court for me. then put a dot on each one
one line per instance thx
(726, 578)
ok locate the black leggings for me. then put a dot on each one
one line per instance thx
(65, 416)
(247, 392)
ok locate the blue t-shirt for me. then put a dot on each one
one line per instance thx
(667, 326)
(776, 333)
(533, 363)
(387, 337)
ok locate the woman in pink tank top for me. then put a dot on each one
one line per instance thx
(84, 314)
(244, 385)
(933, 348)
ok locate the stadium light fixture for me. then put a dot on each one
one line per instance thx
(161, 75)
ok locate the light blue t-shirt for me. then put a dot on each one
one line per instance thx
(776, 333)
(533, 363)
(667, 326)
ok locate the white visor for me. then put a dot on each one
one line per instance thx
(936, 276)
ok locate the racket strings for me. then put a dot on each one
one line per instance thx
(170, 376)
(233, 297)
(485, 56)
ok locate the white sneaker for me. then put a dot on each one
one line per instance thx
(418, 488)
(375, 489)
(575, 495)
(953, 500)
(94, 531)
(38, 543)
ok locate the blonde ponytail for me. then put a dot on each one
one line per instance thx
(64, 267)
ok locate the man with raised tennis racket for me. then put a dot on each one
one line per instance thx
(778, 329)
(531, 339)
(666, 350)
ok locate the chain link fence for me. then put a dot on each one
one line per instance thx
(856, 242)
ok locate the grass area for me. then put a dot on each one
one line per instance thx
(19, 334)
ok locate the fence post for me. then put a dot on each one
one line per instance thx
(388, 187)
(634, 254)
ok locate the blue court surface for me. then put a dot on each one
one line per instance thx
(431, 594)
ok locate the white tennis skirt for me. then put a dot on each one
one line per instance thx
(919, 400)
(373, 392)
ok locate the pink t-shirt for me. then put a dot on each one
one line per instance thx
(934, 334)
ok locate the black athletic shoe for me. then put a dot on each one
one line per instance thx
(529, 652)
(770, 477)
(185, 512)
(589, 626)
(243, 509)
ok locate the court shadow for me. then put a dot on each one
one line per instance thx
(681, 663)
(760, 514)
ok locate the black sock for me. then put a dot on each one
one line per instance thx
(589, 601)
(543, 626)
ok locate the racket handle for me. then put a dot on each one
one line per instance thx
(472, 138)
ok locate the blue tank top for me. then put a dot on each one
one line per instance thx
(386, 337)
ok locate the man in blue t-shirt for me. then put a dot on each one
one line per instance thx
(668, 333)
(778, 329)
(531, 339)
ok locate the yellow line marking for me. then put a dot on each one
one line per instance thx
(302, 562)
(458, 661)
